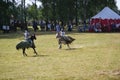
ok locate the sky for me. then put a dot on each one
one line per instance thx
(118, 4)
(30, 2)
(37, 2)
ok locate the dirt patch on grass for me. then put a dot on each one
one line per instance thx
(112, 73)
(116, 72)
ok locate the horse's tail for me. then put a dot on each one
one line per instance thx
(72, 39)
(69, 39)
(17, 47)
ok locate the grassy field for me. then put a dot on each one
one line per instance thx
(93, 56)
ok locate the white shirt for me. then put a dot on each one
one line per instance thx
(26, 35)
(62, 33)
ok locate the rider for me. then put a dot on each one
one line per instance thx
(27, 37)
(62, 33)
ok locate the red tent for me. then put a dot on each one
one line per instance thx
(106, 17)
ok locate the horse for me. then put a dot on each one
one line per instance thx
(25, 44)
(66, 40)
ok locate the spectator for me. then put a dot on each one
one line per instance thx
(58, 28)
(6, 28)
(35, 26)
(69, 27)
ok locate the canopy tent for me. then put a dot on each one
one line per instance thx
(106, 13)
(106, 18)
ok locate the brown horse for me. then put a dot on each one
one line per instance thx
(27, 44)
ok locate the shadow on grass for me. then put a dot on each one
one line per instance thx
(39, 55)
(72, 49)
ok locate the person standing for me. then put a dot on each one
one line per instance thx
(35, 26)
(58, 28)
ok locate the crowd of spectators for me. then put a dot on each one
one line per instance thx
(94, 25)
(104, 25)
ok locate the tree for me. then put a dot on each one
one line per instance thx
(74, 9)
(6, 7)
(65, 10)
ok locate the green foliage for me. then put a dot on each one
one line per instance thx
(64, 10)
(7, 9)
(32, 11)
(70, 9)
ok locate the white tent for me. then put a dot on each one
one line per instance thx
(106, 13)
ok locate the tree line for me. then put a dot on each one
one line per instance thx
(65, 10)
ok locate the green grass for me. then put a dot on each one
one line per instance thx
(94, 56)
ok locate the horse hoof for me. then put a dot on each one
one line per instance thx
(25, 55)
(59, 47)
(36, 54)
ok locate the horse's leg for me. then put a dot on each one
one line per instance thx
(24, 54)
(35, 51)
(68, 46)
(60, 46)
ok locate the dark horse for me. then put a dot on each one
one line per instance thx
(64, 40)
(29, 43)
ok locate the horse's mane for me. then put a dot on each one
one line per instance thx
(32, 37)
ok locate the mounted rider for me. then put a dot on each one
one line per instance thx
(27, 37)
